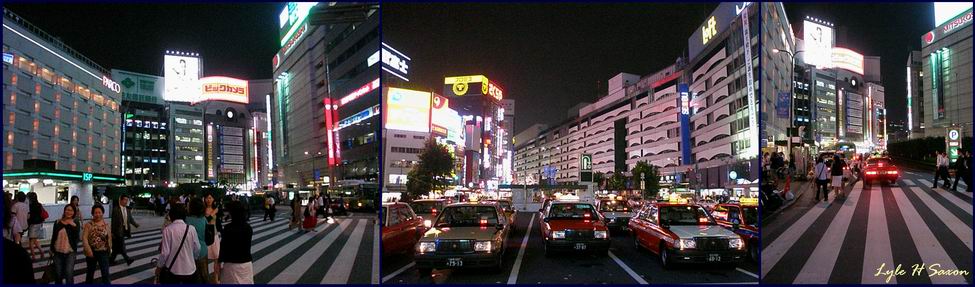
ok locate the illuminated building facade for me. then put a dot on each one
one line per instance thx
(946, 66)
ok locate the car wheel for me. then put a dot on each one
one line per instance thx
(665, 257)
(548, 250)
(753, 250)
(425, 271)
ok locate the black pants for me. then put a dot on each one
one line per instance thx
(960, 174)
(267, 213)
(941, 173)
(118, 247)
(821, 186)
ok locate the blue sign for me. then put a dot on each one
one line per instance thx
(8, 58)
(318, 174)
(782, 104)
(684, 117)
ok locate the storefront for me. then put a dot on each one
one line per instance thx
(55, 188)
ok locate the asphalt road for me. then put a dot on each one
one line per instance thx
(623, 265)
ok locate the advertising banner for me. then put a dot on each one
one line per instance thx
(182, 75)
(818, 41)
(684, 116)
(224, 89)
(782, 104)
(407, 110)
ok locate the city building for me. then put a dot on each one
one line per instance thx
(324, 74)
(61, 118)
(187, 142)
(915, 96)
(779, 92)
(146, 153)
(487, 150)
(946, 69)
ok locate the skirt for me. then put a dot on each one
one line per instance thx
(237, 273)
(837, 181)
(310, 222)
(213, 251)
(36, 231)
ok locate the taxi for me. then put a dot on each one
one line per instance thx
(574, 225)
(464, 235)
(401, 228)
(879, 169)
(506, 206)
(742, 219)
(679, 232)
(428, 209)
(616, 213)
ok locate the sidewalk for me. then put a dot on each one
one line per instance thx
(798, 188)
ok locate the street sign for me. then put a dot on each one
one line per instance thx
(953, 143)
(585, 168)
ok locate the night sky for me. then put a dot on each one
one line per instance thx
(236, 40)
(547, 57)
(888, 30)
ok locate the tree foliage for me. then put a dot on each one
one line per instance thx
(649, 175)
(432, 172)
(922, 149)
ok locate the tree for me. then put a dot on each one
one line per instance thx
(616, 182)
(598, 178)
(650, 176)
(432, 172)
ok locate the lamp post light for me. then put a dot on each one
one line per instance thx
(792, 100)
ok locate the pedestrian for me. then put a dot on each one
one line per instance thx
(97, 241)
(196, 219)
(267, 207)
(321, 205)
(64, 244)
(836, 171)
(214, 229)
(235, 260)
(35, 223)
(178, 249)
(20, 214)
(13, 229)
(310, 219)
(78, 218)
(961, 169)
(295, 214)
(17, 264)
(941, 171)
(822, 179)
(968, 174)
(122, 223)
(271, 209)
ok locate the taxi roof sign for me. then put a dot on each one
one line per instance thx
(748, 201)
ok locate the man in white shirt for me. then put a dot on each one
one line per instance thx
(181, 262)
(941, 170)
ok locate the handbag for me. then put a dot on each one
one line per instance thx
(48, 276)
(165, 275)
(44, 214)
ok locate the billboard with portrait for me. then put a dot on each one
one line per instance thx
(182, 78)
(818, 41)
(407, 110)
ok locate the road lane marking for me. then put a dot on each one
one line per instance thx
(927, 245)
(339, 272)
(513, 277)
(627, 269)
(878, 249)
(909, 182)
(397, 272)
(925, 182)
(775, 250)
(819, 264)
(297, 268)
(375, 254)
(746, 273)
(959, 228)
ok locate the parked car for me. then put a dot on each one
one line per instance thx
(464, 235)
(401, 228)
(682, 232)
(615, 213)
(574, 225)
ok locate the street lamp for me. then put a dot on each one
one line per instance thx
(792, 101)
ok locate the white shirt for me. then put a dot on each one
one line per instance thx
(942, 160)
(822, 173)
(22, 212)
(125, 219)
(321, 201)
(186, 259)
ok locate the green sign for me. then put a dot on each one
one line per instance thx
(953, 142)
(292, 18)
(86, 176)
(585, 168)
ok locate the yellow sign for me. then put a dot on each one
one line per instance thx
(709, 30)
(459, 85)
(748, 201)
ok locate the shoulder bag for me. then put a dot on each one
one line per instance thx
(166, 275)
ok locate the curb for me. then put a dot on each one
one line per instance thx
(788, 204)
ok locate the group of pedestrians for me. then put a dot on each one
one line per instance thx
(306, 218)
(829, 174)
(963, 170)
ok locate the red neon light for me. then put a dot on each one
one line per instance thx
(365, 89)
(329, 128)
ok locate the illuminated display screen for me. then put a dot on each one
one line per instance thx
(224, 89)
(182, 76)
(848, 60)
(945, 11)
(407, 110)
(472, 86)
(818, 41)
(292, 17)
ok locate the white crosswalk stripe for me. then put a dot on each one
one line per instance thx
(927, 245)
(774, 252)
(274, 241)
(820, 264)
(963, 232)
(878, 251)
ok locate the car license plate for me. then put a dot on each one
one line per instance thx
(580, 246)
(455, 262)
(714, 257)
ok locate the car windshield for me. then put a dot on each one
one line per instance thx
(571, 210)
(750, 215)
(684, 215)
(467, 216)
(879, 161)
(426, 207)
(612, 205)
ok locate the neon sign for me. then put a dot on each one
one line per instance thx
(365, 89)
(358, 117)
(86, 176)
(709, 30)
(395, 62)
(111, 85)
(685, 103)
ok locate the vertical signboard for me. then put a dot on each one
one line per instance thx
(684, 116)
(953, 142)
(585, 168)
(752, 150)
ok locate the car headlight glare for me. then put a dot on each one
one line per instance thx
(426, 247)
(427, 223)
(482, 246)
(688, 244)
(736, 243)
(558, 234)
(602, 234)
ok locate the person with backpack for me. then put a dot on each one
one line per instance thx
(178, 249)
(821, 173)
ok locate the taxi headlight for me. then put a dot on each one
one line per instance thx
(558, 234)
(602, 234)
(688, 244)
(482, 246)
(736, 243)
(425, 247)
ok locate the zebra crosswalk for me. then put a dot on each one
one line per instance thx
(339, 252)
(874, 229)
